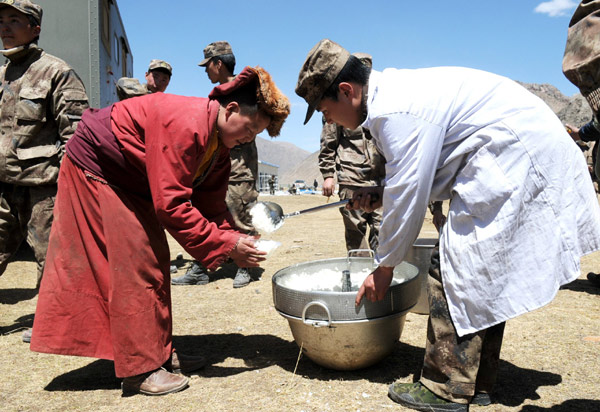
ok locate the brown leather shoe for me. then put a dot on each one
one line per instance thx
(155, 383)
(184, 364)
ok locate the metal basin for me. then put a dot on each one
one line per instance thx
(326, 324)
(420, 256)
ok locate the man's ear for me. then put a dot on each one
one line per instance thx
(232, 107)
(346, 89)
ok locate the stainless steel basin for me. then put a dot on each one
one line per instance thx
(330, 329)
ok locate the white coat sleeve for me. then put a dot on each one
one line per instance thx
(412, 148)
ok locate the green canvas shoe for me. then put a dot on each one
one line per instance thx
(417, 396)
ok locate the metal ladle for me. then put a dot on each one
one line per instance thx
(277, 216)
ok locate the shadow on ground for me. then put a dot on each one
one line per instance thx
(572, 405)
(97, 375)
(16, 295)
(582, 285)
(19, 325)
(515, 384)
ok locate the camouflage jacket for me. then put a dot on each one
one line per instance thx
(581, 60)
(244, 163)
(129, 87)
(352, 154)
(41, 102)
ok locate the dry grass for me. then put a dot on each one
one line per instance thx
(547, 362)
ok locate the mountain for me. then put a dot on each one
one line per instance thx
(295, 163)
(283, 154)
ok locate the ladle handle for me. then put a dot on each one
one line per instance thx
(316, 208)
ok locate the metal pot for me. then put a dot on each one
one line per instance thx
(327, 325)
(420, 256)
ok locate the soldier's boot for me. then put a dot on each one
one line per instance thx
(418, 397)
(195, 275)
(242, 278)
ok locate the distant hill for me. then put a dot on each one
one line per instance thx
(295, 163)
(283, 154)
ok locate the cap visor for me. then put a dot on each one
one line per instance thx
(204, 62)
(309, 112)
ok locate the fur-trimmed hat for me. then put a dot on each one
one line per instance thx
(270, 99)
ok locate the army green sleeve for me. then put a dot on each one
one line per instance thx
(69, 101)
(328, 151)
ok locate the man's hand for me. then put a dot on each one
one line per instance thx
(328, 186)
(375, 285)
(245, 255)
(366, 198)
(573, 131)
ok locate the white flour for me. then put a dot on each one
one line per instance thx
(266, 245)
(328, 280)
(261, 219)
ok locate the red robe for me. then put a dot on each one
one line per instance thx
(132, 170)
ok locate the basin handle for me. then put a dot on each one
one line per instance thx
(353, 252)
(316, 323)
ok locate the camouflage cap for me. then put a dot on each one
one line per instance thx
(217, 48)
(322, 65)
(161, 65)
(26, 7)
(364, 58)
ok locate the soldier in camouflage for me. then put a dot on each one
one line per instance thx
(158, 77)
(581, 65)
(41, 102)
(219, 63)
(358, 163)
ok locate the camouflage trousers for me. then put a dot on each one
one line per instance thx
(456, 367)
(25, 214)
(241, 196)
(356, 223)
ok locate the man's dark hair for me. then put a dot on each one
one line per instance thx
(354, 71)
(245, 96)
(228, 60)
(33, 22)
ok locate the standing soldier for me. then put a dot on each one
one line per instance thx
(219, 62)
(358, 164)
(158, 77)
(581, 64)
(41, 102)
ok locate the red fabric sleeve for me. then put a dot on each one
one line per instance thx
(176, 131)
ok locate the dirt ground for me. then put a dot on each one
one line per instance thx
(549, 360)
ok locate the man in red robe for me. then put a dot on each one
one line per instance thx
(132, 170)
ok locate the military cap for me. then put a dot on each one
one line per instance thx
(322, 65)
(217, 48)
(156, 64)
(26, 7)
(364, 58)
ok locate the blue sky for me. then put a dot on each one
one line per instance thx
(520, 39)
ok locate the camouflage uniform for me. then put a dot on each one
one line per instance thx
(358, 163)
(41, 102)
(455, 368)
(128, 87)
(242, 193)
(581, 64)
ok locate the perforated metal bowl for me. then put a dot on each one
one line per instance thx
(330, 329)
(399, 297)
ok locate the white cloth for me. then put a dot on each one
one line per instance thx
(523, 209)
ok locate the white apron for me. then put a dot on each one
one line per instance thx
(523, 209)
